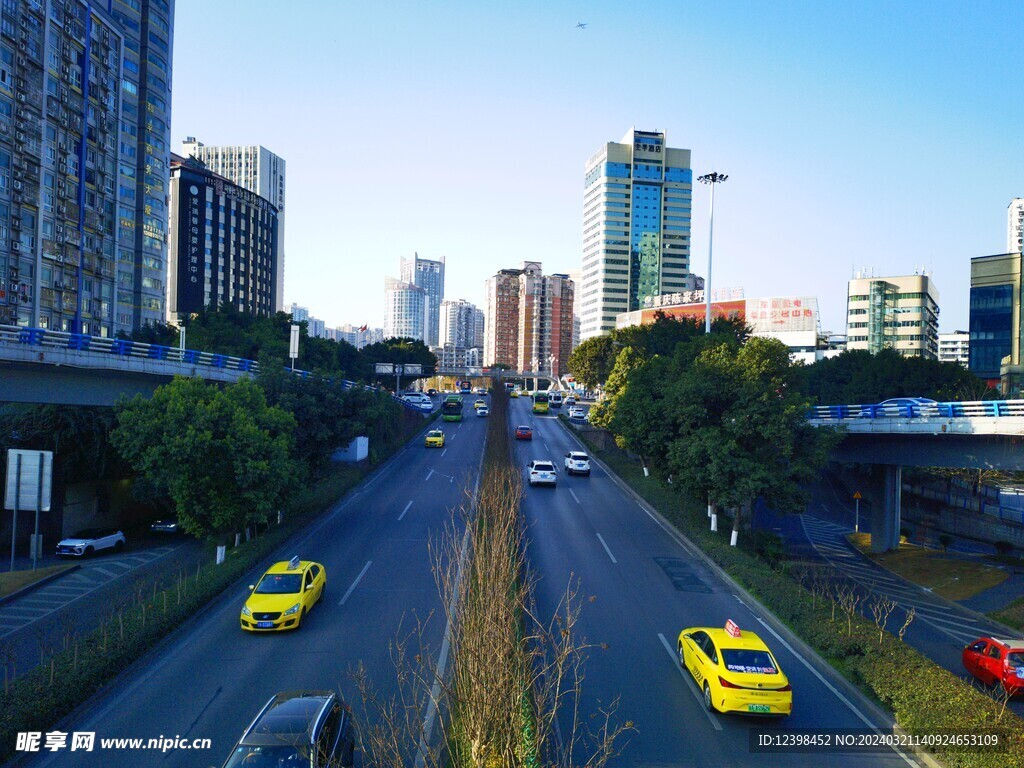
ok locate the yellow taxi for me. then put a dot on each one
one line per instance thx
(435, 439)
(480, 404)
(514, 393)
(735, 671)
(283, 597)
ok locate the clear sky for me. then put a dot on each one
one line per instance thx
(886, 135)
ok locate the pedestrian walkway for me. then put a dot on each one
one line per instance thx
(61, 592)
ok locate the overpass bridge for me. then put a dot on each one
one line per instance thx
(985, 434)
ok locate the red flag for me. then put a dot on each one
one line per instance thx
(362, 328)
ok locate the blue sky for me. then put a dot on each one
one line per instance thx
(869, 134)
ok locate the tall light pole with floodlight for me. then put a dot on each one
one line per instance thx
(712, 178)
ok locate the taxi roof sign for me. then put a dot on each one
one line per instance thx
(732, 628)
(293, 563)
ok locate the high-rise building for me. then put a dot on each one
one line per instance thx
(223, 244)
(529, 321)
(955, 348)
(1015, 226)
(84, 128)
(257, 169)
(462, 324)
(995, 320)
(636, 227)
(900, 313)
(405, 309)
(428, 274)
(299, 314)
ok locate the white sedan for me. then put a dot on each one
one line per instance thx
(91, 540)
(542, 473)
(577, 462)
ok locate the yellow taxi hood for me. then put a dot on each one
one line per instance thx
(272, 603)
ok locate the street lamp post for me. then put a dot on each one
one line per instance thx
(712, 178)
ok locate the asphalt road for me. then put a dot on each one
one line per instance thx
(211, 678)
(647, 587)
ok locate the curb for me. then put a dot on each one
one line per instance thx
(883, 719)
(36, 585)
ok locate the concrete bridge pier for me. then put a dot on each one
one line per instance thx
(885, 517)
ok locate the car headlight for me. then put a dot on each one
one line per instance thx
(246, 611)
(293, 609)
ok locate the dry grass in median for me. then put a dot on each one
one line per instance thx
(12, 581)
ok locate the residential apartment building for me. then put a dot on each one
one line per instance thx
(223, 244)
(529, 324)
(84, 127)
(428, 274)
(955, 348)
(450, 356)
(636, 227)
(995, 320)
(461, 324)
(405, 310)
(1015, 226)
(900, 313)
(358, 336)
(259, 170)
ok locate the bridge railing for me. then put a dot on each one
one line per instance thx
(950, 410)
(46, 339)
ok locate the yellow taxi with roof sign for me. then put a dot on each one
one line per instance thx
(283, 596)
(735, 671)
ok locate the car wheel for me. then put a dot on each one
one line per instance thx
(348, 754)
(682, 658)
(708, 703)
(89, 551)
(302, 619)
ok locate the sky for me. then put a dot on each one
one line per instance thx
(868, 135)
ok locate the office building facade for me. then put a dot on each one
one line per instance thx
(259, 170)
(84, 127)
(900, 313)
(223, 244)
(955, 347)
(529, 323)
(636, 227)
(428, 274)
(1015, 226)
(405, 310)
(995, 320)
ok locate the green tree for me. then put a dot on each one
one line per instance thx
(592, 361)
(741, 431)
(223, 456)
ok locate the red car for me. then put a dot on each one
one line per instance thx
(995, 660)
(524, 433)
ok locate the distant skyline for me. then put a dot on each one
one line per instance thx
(872, 134)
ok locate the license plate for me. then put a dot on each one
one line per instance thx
(264, 624)
(758, 708)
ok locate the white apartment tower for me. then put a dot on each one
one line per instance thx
(1015, 226)
(428, 274)
(257, 169)
(405, 310)
(636, 228)
(900, 313)
(462, 324)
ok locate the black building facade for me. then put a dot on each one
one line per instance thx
(223, 244)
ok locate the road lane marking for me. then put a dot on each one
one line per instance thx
(444, 452)
(405, 510)
(356, 582)
(607, 550)
(679, 668)
(574, 496)
(428, 475)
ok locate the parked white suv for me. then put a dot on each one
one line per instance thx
(577, 463)
(91, 540)
(542, 472)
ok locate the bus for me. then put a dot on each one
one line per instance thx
(451, 408)
(540, 402)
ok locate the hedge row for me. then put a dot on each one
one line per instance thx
(38, 699)
(922, 696)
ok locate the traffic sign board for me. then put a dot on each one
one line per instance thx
(856, 495)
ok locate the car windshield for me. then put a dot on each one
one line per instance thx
(279, 584)
(749, 661)
(435, 433)
(268, 756)
(1015, 658)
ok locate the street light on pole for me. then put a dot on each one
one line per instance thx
(712, 178)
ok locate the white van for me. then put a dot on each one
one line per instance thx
(555, 399)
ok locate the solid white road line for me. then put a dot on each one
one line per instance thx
(606, 549)
(405, 510)
(573, 495)
(356, 582)
(700, 699)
